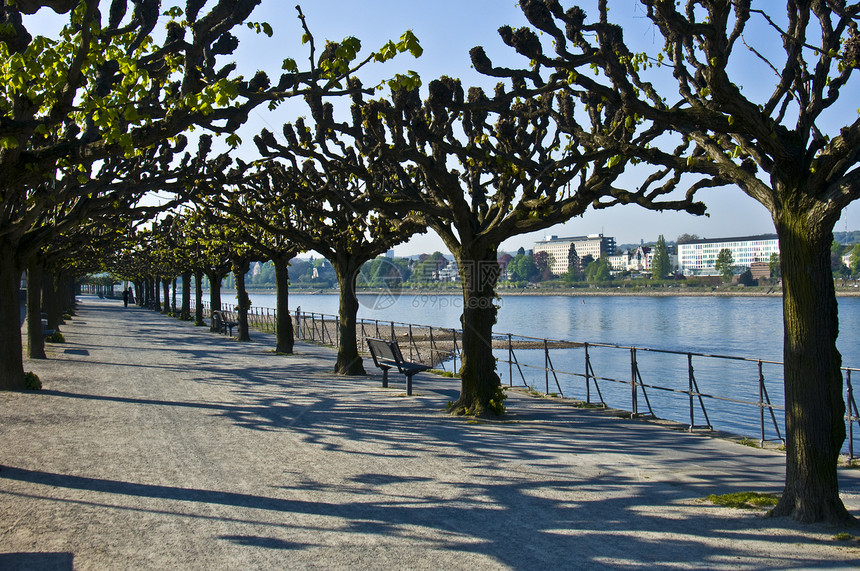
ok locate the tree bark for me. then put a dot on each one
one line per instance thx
(165, 286)
(480, 386)
(284, 325)
(349, 362)
(814, 406)
(214, 295)
(11, 357)
(53, 299)
(185, 313)
(244, 302)
(198, 298)
(35, 281)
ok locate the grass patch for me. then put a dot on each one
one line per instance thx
(747, 442)
(440, 372)
(589, 405)
(846, 537)
(744, 500)
(55, 337)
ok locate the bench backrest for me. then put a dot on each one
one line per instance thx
(216, 319)
(383, 350)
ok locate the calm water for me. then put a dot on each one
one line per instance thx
(725, 326)
(737, 326)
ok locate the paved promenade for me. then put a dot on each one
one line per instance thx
(158, 445)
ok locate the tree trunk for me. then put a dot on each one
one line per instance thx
(480, 386)
(214, 295)
(173, 307)
(185, 314)
(11, 358)
(349, 362)
(156, 294)
(165, 285)
(53, 303)
(139, 293)
(284, 325)
(35, 280)
(244, 302)
(198, 298)
(814, 407)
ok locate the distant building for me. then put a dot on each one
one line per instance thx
(559, 249)
(449, 273)
(697, 258)
(760, 270)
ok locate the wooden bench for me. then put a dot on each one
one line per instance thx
(222, 323)
(386, 355)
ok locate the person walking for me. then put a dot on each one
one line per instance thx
(125, 297)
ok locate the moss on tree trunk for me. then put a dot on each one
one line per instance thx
(815, 409)
(349, 362)
(480, 386)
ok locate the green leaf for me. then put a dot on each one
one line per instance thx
(8, 142)
(614, 161)
(409, 42)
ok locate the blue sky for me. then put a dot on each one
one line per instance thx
(447, 30)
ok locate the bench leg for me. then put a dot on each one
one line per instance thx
(384, 378)
(409, 385)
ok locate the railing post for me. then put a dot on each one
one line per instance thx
(690, 388)
(393, 336)
(761, 402)
(510, 361)
(587, 375)
(633, 403)
(454, 350)
(546, 365)
(849, 400)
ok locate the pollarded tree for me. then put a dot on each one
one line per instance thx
(105, 88)
(485, 170)
(794, 148)
(308, 207)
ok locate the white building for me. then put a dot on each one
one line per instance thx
(697, 258)
(594, 245)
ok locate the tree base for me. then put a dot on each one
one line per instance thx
(468, 405)
(352, 368)
(831, 512)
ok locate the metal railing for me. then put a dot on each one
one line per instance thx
(624, 382)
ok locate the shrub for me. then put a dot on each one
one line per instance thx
(32, 382)
(55, 337)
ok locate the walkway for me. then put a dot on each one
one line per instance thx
(158, 445)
